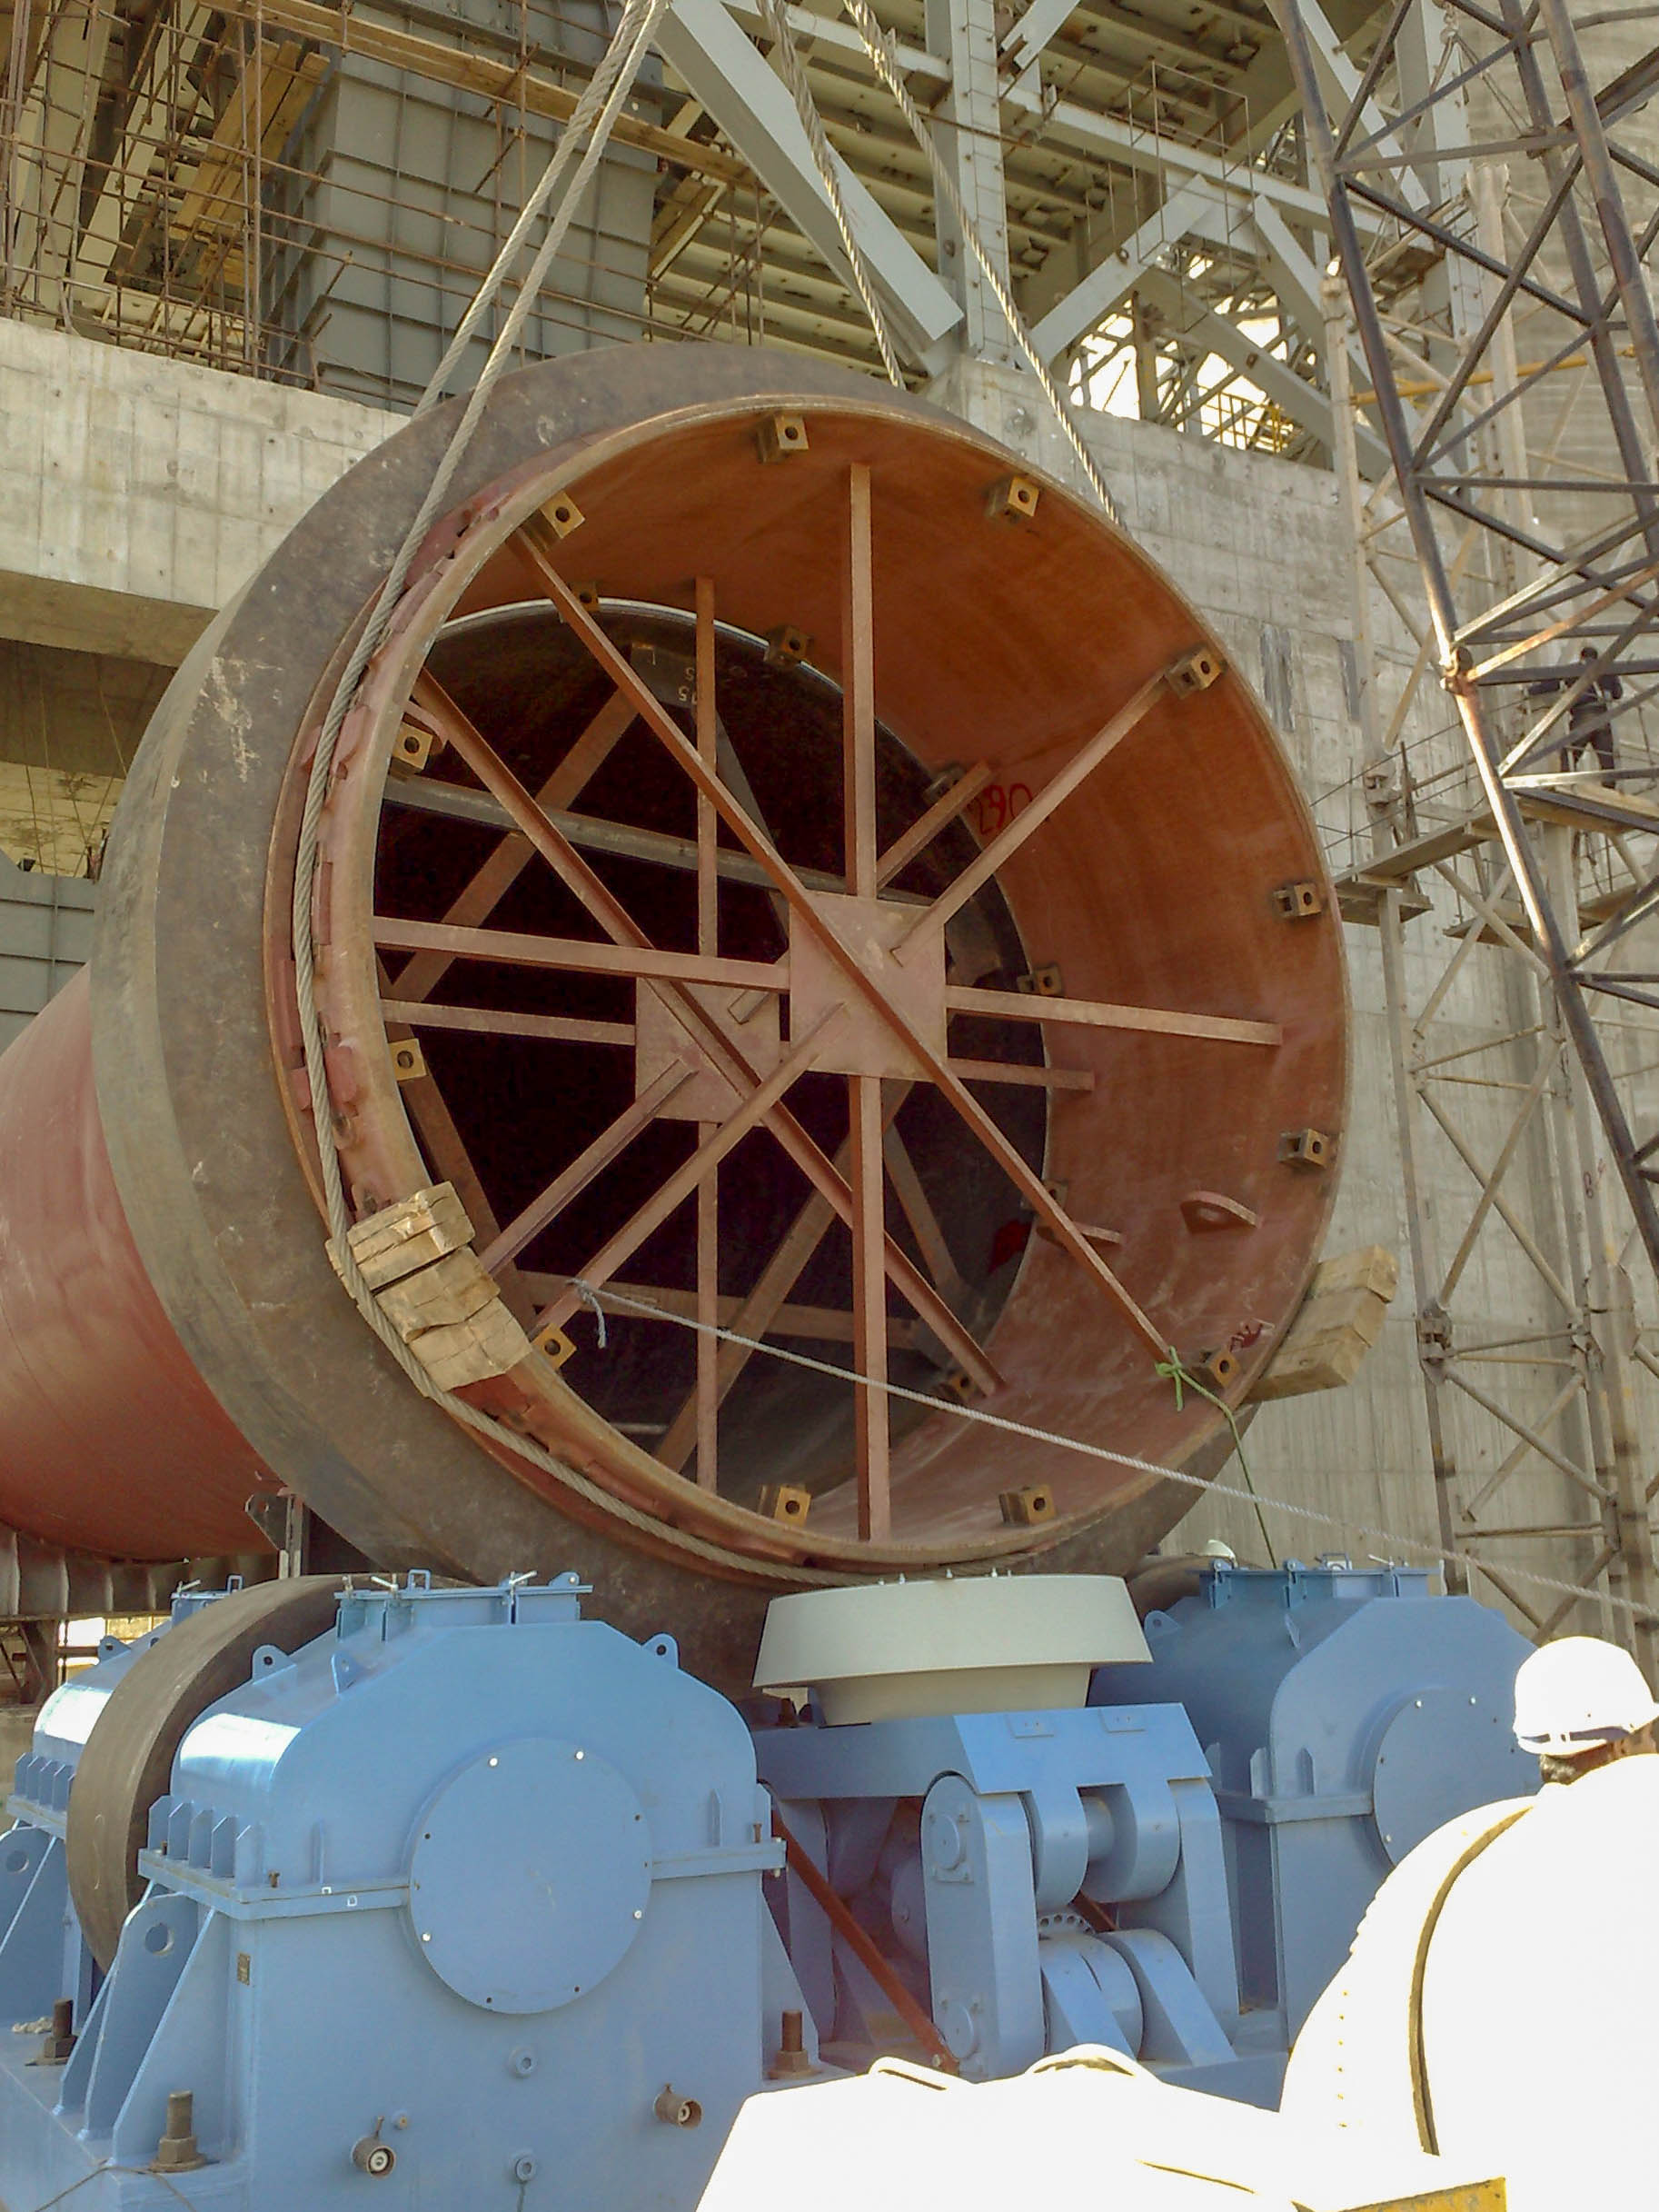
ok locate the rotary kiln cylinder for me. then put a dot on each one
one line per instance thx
(1013, 889)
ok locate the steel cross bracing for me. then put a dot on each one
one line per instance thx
(1527, 1339)
(857, 1026)
(1501, 313)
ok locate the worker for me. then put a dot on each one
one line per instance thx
(1580, 1703)
(1589, 723)
(1498, 1997)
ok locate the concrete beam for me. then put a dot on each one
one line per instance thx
(86, 618)
(137, 494)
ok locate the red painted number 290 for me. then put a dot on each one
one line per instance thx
(999, 804)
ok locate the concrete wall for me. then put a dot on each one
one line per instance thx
(137, 493)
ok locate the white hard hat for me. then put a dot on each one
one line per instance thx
(1578, 1693)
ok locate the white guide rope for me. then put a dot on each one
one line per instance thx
(1398, 1545)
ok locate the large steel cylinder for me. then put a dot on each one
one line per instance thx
(787, 869)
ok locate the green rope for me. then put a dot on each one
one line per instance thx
(1172, 1370)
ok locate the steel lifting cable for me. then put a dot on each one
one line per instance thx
(775, 17)
(1032, 1434)
(880, 49)
(618, 68)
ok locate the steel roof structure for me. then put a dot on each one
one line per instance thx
(1139, 168)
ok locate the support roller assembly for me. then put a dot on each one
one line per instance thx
(786, 869)
(448, 1899)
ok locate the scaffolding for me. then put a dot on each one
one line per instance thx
(1512, 365)
(164, 184)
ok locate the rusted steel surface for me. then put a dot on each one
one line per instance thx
(171, 1321)
(109, 1438)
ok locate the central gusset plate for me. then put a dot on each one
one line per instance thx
(863, 1042)
(747, 1020)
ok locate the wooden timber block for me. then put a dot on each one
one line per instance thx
(489, 1343)
(1373, 1267)
(408, 1235)
(440, 1296)
(1336, 1325)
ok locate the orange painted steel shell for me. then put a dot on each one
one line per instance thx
(171, 1332)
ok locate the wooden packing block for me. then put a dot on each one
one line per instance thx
(488, 1343)
(1336, 1326)
(440, 1296)
(408, 1235)
(1373, 1267)
(1489, 2196)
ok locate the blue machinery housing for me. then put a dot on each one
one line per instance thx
(472, 1902)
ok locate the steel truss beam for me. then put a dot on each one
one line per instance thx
(1552, 593)
(705, 44)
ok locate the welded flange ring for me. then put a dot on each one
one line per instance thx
(769, 872)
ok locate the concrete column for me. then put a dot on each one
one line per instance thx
(963, 33)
